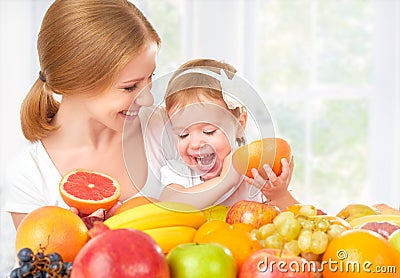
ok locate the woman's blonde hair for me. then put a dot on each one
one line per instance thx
(82, 46)
(186, 88)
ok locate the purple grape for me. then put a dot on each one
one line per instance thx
(25, 255)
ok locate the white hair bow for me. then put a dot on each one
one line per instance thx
(230, 87)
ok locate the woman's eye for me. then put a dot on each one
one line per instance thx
(209, 132)
(131, 88)
(183, 135)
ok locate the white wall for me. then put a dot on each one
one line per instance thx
(19, 25)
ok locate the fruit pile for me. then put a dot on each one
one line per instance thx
(40, 265)
(177, 240)
(149, 238)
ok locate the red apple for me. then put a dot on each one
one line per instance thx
(198, 260)
(120, 253)
(275, 263)
(383, 228)
(251, 212)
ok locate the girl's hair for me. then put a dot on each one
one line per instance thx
(186, 88)
(82, 46)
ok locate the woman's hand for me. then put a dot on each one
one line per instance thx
(98, 215)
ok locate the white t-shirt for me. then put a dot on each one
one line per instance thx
(31, 180)
(177, 172)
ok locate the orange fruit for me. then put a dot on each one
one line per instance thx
(89, 191)
(243, 226)
(52, 229)
(360, 249)
(238, 241)
(135, 202)
(207, 228)
(257, 153)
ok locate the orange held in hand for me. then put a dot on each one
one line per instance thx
(89, 191)
(52, 229)
(266, 151)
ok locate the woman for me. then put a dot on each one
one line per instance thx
(97, 55)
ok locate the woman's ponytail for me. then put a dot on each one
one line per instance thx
(37, 111)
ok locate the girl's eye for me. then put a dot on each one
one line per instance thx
(152, 75)
(209, 132)
(183, 135)
(131, 88)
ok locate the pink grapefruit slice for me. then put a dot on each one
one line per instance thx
(89, 190)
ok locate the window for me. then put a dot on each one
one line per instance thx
(325, 69)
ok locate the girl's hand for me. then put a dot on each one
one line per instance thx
(274, 188)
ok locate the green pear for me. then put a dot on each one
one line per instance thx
(217, 212)
(354, 211)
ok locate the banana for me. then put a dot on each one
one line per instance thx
(169, 237)
(157, 215)
(394, 218)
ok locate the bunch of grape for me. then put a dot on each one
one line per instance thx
(40, 265)
(300, 233)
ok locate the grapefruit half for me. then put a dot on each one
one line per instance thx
(89, 190)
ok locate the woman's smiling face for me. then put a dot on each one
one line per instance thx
(131, 91)
(205, 134)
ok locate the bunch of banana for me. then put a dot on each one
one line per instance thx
(168, 223)
(358, 222)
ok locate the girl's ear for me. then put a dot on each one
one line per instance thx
(242, 122)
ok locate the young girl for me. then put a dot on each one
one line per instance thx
(97, 55)
(207, 123)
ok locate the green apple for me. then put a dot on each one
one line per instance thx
(394, 240)
(217, 212)
(201, 260)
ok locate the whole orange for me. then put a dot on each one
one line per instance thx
(52, 229)
(207, 228)
(360, 253)
(257, 153)
(238, 241)
(134, 202)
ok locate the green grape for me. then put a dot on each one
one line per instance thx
(254, 234)
(274, 241)
(304, 240)
(266, 230)
(307, 210)
(292, 247)
(319, 242)
(282, 217)
(321, 224)
(334, 230)
(306, 223)
(289, 229)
